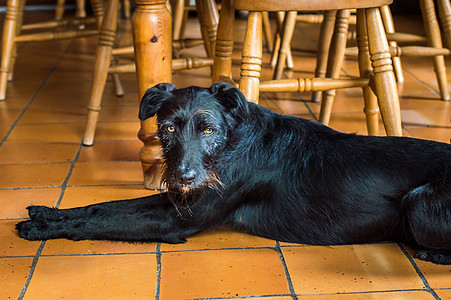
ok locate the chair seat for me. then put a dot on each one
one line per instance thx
(306, 5)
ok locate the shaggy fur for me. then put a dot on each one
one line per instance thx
(230, 162)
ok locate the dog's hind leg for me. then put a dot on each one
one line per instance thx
(137, 220)
(428, 217)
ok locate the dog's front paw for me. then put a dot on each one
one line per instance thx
(32, 230)
(43, 213)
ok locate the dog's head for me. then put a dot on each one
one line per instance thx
(194, 126)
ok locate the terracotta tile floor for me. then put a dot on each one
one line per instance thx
(42, 162)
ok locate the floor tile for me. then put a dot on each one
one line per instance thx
(14, 202)
(86, 195)
(407, 295)
(444, 294)
(33, 175)
(64, 247)
(227, 273)
(47, 133)
(117, 131)
(438, 134)
(354, 268)
(25, 153)
(106, 173)
(13, 275)
(219, 240)
(111, 151)
(11, 244)
(438, 276)
(94, 277)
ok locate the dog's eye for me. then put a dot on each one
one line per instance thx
(170, 129)
(208, 131)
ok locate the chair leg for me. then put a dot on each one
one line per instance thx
(371, 107)
(285, 41)
(59, 9)
(434, 40)
(98, 8)
(335, 61)
(208, 18)
(444, 10)
(387, 19)
(179, 10)
(280, 17)
(107, 37)
(384, 79)
(267, 33)
(222, 66)
(9, 34)
(251, 58)
(152, 26)
(325, 36)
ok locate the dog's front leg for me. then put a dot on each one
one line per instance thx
(137, 220)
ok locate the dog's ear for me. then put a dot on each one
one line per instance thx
(231, 98)
(153, 98)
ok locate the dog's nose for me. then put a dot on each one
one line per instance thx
(187, 176)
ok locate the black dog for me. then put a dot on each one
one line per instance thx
(230, 162)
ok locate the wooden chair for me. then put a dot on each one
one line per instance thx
(374, 57)
(104, 63)
(433, 39)
(53, 30)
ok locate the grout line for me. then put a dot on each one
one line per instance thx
(158, 283)
(418, 270)
(287, 273)
(41, 247)
(421, 81)
(32, 269)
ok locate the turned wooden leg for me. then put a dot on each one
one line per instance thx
(98, 8)
(152, 32)
(325, 36)
(126, 9)
(208, 18)
(371, 107)
(81, 9)
(251, 58)
(222, 66)
(18, 32)
(267, 32)
(107, 37)
(59, 9)
(335, 61)
(178, 12)
(9, 34)
(389, 26)
(285, 41)
(434, 40)
(280, 17)
(384, 78)
(444, 10)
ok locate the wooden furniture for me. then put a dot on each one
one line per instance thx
(374, 57)
(53, 30)
(104, 64)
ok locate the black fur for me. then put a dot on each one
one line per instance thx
(230, 162)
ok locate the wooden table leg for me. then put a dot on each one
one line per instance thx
(152, 32)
